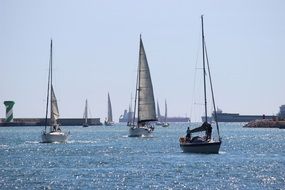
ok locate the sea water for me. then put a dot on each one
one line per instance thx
(106, 158)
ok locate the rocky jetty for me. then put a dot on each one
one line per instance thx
(265, 123)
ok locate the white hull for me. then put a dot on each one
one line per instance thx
(55, 136)
(205, 147)
(140, 131)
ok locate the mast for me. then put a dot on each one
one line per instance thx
(134, 116)
(49, 77)
(139, 77)
(204, 70)
(136, 95)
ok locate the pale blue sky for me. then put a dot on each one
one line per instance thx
(96, 52)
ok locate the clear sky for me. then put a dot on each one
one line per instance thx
(96, 51)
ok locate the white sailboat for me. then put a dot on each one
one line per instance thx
(85, 115)
(130, 114)
(54, 134)
(144, 99)
(165, 124)
(158, 122)
(205, 144)
(109, 121)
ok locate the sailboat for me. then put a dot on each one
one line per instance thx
(144, 99)
(159, 122)
(54, 134)
(130, 114)
(109, 120)
(165, 124)
(85, 115)
(205, 144)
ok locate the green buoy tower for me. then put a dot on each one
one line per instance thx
(9, 110)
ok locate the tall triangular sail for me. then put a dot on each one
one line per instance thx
(146, 103)
(86, 112)
(158, 111)
(110, 115)
(54, 113)
(165, 114)
(130, 114)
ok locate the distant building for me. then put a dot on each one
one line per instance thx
(236, 117)
(281, 113)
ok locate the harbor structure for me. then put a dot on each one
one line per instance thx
(41, 122)
(9, 111)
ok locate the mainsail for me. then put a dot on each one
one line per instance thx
(110, 115)
(146, 103)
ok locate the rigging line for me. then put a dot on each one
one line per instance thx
(212, 91)
(195, 77)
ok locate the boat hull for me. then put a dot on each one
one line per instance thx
(140, 131)
(211, 147)
(165, 125)
(56, 136)
(158, 123)
(107, 123)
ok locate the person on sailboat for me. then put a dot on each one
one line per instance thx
(188, 134)
(208, 129)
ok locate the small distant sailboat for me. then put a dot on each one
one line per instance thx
(85, 115)
(130, 115)
(205, 144)
(144, 99)
(165, 124)
(109, 120)
(158, 122)
(54, 134)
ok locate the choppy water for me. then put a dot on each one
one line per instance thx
(105, 158)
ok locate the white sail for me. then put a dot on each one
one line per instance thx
(110, 115)
(86, 112)
(165, 116)
(54, 114)
(130, 115)
(158, 112)
(146, 103)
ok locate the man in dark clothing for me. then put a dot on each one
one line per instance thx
(188, 134)
(209, 132)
